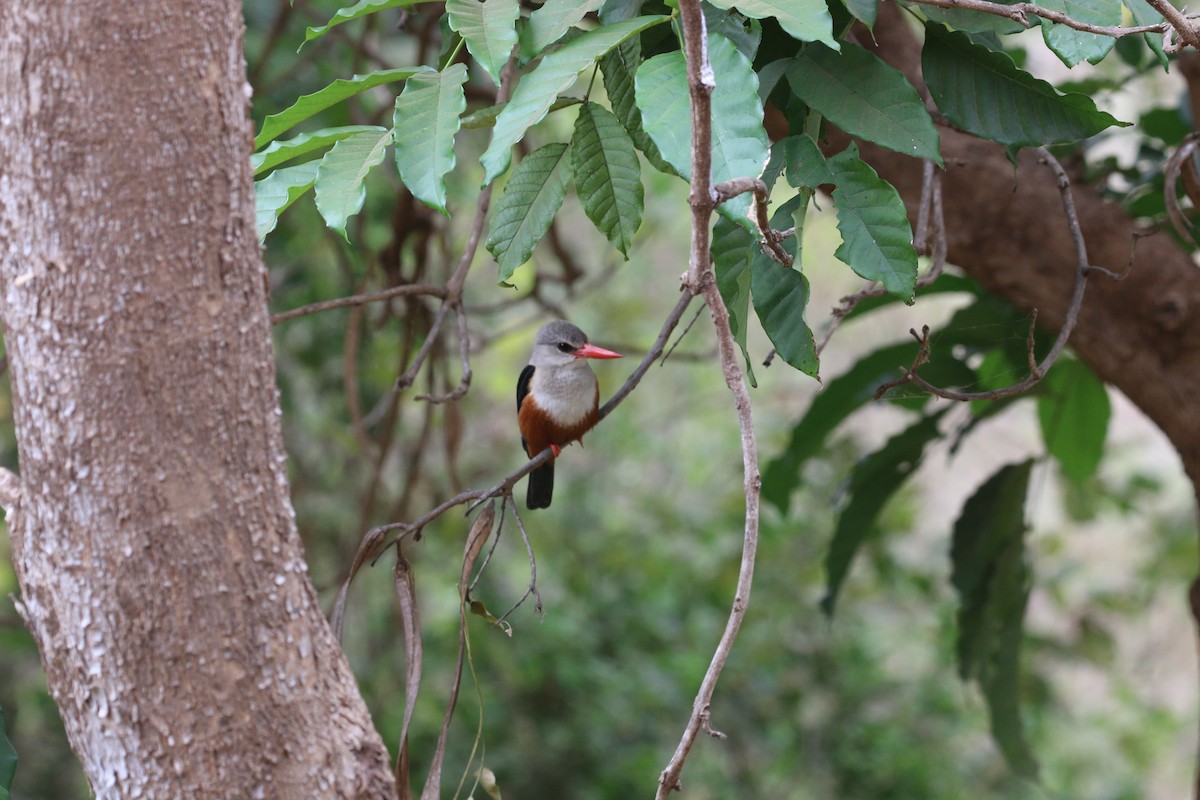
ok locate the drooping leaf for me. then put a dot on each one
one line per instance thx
(876, 236)
(342, 173)
(838, 399)
(618, 10)
(992, 579)
(538, 90)
(489, 29)
(1145, 14)
(427, 117)
(8, 761)
(806, 20)
(532, 197)
(274, 193)
(732, 248)
(618, 67)
(359, 9)
(1074, 410)
(608, 177)
(310, 104)
(550, 21)
(874, 480)
(780, 296)
(1075, 46)
(968, 21)
(865, 97)
(985, 93)
(278, 152)
(740, 146)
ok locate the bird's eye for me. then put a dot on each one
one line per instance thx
(564, 347)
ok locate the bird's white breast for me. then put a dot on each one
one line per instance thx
(567, 394)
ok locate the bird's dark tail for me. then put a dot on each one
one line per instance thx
(541, 487)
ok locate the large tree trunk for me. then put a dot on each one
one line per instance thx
(155, 547)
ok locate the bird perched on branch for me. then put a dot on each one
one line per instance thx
(558, 399)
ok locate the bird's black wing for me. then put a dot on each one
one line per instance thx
(523, 384)
(522, 390)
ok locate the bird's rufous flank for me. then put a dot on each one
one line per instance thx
(558, 399)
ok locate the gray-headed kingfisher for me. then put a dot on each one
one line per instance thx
(558, 399)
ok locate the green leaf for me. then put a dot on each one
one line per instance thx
(359, 9)
(310, 104)
(985, 93)
(745, 33)
(531, 199)
(8, 761)
(876, 237)
(866, 98)
(538, 90)
(836, 401)
(806, 20)
(548, 23)
(874, 480)
(740, 146)
(967, 21)
(732, 248)
(865, 11)
(618, 10)
(805, 163)
(1145, 14)
(489, 29)
(781, 297)
(1074, 410)
(278, 152)
(608, 177)
(341, 173)
(618, 67)
(427, 117)
(1074, 46)
(992, 579)
(274, 193)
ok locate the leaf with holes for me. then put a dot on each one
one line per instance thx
(489, 29)
(427, 117)
(334, 93)
(865, 97)
(806, 20)
(985, 93)
(531, 199)
(274, 193)
(342, 173)
(740, 147)
(876, 237)
(992, 578)
(538, 90)
(608, 178)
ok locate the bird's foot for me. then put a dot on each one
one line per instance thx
(555, 449)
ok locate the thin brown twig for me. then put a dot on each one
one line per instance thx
(1037, 370)
(700, 280)
(1020, 13)
(726, 190)
(531, 590)
(358, 300)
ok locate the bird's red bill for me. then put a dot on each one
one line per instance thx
(591, 351)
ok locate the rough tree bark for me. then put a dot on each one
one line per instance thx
(154, 542)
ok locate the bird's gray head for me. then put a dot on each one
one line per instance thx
(556, 343)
